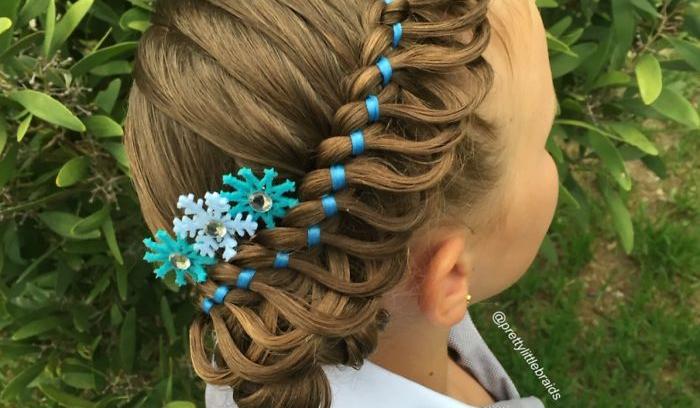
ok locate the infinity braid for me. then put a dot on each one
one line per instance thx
(423, 149)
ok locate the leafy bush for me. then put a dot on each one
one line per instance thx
(82, 323)
(621, 70)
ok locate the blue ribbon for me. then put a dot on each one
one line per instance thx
(398, 33)
(281, 260)
(313, 236)
(330, 206)
(244, 278)
(218, 298)
(372, 104)
(357, 138)
(207, 304)
(385, 69)
(220, 294)
(338, 181)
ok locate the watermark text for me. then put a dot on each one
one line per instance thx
(499, 319)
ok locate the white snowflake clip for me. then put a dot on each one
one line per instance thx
(211, 224)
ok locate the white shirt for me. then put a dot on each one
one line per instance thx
(375, 387)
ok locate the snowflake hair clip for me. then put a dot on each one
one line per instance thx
(213, 227)
(177, 255)
(217, 222)
(260, 198)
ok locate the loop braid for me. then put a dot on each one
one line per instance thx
(356, 101)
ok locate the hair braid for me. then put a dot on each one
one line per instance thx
(324, 306)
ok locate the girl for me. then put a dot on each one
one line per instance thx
(412, 133)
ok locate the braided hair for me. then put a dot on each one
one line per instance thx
(369, 106)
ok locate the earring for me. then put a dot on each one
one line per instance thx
(469, 299)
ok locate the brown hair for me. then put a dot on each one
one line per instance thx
(222, 84)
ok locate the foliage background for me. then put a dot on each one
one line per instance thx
(610, 308)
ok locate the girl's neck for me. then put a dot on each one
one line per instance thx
(414, 350)
(417, 350)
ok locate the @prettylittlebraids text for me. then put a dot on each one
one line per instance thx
(499, 319)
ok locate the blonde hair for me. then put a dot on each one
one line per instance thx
(222, 84)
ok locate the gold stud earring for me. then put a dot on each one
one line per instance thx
(469, 299)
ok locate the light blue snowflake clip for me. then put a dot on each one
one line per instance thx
(259, 197)
(177, 255)
(213, 227)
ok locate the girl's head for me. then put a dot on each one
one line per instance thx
(451, 193)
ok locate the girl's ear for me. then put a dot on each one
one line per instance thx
(442, 282)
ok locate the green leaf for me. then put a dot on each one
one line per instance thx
(64, 277)
(50, 27)
(115, 315)
(546, 3)
(144, 4)
(103, 126)
(112, 68)
(91, 222)
(118, 152)
(554, 150)
(572, 37)
(612, 78)
(64, 399)
(688, 51)
(28, 40)
(559, 28)
(106, 99)
(23, 127)
(622, 221)
(180, 404)
(122, 281)
(3, 134)
(73, 171)
(691, 17)
(555, 44)
(645, 6)
(135, 19)
(83, 380)
(566, 196)
(13, 350)
(656, 165)
(111, 238)
(63, 224)
(47, 108)
(623, 30)
(5, 24)
(98, 58)
(633, 136)
(562, 64)
(548, 250)
(584, 125)
(36, 327)
(610, 158)
(167, 315)
(127, 340)
(100, 286)
(113, 401)
(8, 166)
(69, 22)
(22, 380)
(649, 78)
(31, 9)
(676, 107)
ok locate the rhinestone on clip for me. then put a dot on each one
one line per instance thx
(216, 229)
(260, 201)
(180, 261)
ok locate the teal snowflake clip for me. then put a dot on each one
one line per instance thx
(176, 255)
(260, 198)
